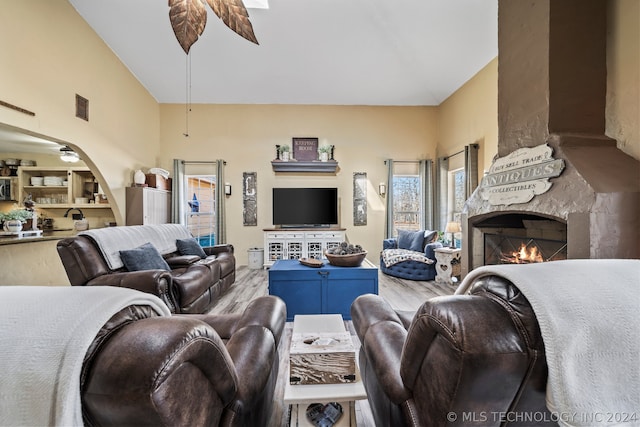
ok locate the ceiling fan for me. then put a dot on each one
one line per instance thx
(189, 17)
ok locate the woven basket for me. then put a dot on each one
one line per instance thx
(350, 260)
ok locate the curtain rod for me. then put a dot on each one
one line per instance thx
(462, 151)
(406, 161)
(201, 162)
(454, 154)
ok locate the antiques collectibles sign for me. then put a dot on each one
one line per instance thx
(520, 176)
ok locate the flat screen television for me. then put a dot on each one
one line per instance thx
(305, 207)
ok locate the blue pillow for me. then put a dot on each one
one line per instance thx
(411, 240)
(145, 257)
(190, 247)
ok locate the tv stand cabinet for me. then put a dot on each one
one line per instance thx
(296, 243)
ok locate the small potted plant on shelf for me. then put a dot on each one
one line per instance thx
(284, 152)
(324, 152)
(14, 219)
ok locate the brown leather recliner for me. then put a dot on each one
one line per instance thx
(193, 285)
(184, 370)
(474, 360)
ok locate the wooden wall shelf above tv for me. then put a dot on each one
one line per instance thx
(329, 166)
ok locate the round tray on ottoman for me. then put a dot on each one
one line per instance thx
(350, 260)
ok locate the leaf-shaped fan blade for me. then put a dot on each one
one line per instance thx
(188, 18)
(235, 16)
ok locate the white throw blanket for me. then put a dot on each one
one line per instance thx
(394, 256)
(589, 316)
(112, 240)
(44, 335)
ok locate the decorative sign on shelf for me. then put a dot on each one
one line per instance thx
(249, 198)
(305, 149)
(521, 175)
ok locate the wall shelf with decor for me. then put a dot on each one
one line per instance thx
(306, 156)
(330, 166)
(59, 187)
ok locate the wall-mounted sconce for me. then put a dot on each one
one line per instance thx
(227, 189)
(382, 189)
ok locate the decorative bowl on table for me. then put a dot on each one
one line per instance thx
(348, 260)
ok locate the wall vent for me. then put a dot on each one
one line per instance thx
(82, 107)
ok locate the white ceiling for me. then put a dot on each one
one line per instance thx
(331, 52)
(324, 52)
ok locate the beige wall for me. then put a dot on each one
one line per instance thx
(245, 136)
(31, 264)
(623, 75)
(49, 54)
(470, 116)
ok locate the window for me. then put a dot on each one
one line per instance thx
(407, 196)
(457, 194)
(200, 211)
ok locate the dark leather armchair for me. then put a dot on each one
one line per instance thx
(184, 370)
(475, 360)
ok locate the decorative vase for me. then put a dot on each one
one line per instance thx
(139, 177)
(324, 157)
(13, 225)
(285, 156)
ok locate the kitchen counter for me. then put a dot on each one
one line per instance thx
(52, 234)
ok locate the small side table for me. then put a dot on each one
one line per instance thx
(447, 265)
(301, 395)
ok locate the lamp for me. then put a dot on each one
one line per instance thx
(68, 155)
(452, 227)
(382, 189)
(227, 189)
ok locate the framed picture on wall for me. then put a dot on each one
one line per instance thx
(360, 198)
(249, 198)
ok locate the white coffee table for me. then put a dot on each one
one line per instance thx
(300, 396)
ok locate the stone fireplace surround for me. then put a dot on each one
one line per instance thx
(552, 89)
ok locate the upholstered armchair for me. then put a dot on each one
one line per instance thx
(110, 356)
(457, 357)
(411, 255)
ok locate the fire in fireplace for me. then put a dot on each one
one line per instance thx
(501, 249)
(524, 256)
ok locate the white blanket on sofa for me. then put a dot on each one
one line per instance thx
(394, 256)
(589, 316)
(44, 335)
(112, 240)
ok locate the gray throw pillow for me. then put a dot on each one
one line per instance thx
(411, 240)
(145, 257)
(190, 247)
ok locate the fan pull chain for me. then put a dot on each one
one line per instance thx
(187, 105)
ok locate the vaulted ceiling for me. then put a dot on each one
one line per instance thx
(325, 52)
(318, 52)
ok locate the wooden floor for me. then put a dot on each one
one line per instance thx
(401, 295)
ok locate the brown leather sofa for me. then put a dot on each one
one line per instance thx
(192, 285)
(474, 360)
(184, 370)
